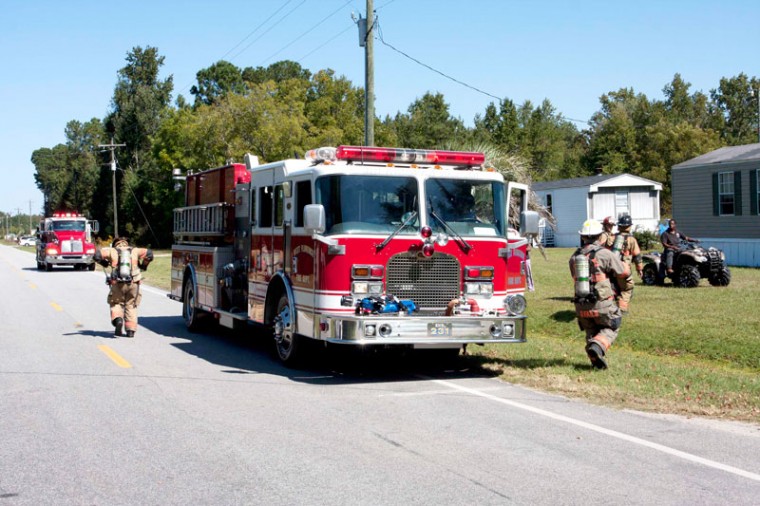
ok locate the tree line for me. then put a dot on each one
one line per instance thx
(280, 111)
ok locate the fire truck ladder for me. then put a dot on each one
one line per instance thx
(200, 224)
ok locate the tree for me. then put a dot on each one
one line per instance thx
(427, 123)
(139, 101)
(277, 72)
(736, 106)
(334, 110)
(216, 82)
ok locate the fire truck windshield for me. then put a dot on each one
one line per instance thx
(356, 204)
(475, 208)
(69, 225)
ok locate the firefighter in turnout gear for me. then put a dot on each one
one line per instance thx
(626, 245)
(608, 236)
(126, 264)
(596, 270)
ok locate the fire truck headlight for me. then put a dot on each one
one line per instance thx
(366, 288)
(90, 251)
(485, 289)
(515, 304)
(51, 251)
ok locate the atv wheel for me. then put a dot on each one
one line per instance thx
(688, 277)
(721, 278)
(649, 275)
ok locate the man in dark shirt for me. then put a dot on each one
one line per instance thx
(671, 242)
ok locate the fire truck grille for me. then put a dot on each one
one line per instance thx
(430, 282)
(71, 247)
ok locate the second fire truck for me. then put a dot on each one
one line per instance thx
(65, 238)
(358, 246)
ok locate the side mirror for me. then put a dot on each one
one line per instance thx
(94, 226)
(314, 218)
(529, 223)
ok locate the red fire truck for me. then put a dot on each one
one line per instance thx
(355, 246)
(66, 239)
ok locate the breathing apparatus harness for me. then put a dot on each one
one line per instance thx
(586, 276)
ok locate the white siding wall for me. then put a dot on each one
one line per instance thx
(569, 208)
(643, 205)
(739, 252)
(602, 205)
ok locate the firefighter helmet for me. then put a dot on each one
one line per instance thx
(608, 221)
(117, 240)
(591, 227)
(625, 221)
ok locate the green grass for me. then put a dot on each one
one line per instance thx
(689, 351)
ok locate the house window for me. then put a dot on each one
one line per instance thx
(622, 204)
(754, 192)
(549, 203)
(726, 193)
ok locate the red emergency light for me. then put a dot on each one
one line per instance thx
(419, 156)
(61, 214)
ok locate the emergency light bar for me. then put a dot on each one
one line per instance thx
(60, 214)
(396, 155)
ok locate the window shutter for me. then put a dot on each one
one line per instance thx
(716, 196)
(738, 193)
(753, 192)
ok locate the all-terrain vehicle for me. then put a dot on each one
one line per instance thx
(690, 264)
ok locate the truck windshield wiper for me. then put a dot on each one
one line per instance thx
(451, 231)
(401, 227)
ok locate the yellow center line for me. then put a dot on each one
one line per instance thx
(32, 286)
(118, 359)
(56, 306)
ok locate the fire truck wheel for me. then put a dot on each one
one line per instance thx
(190, 313)
(48, 267)
(91, 267)
(288, 344)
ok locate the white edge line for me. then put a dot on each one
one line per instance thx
(590, 426)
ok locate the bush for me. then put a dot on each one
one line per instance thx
(646, 238)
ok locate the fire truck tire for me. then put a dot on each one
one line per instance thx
(191, 314)
(288, 345)
(91, 267)
(48, 267)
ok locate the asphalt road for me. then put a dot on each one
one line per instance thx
(172, 417)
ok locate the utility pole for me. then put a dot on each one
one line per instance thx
(30, 216)
(113, 147)
(18, 215)
(369, 76)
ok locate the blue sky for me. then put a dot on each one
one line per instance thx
(60, 57)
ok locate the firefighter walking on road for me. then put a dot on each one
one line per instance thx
(126, 263)
(595, 269)
(626, 245)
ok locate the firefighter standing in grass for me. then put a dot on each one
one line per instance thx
(124, 296)
(594, 268)
(626, 245)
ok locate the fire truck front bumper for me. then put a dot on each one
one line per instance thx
(423, 331)
(68, 259)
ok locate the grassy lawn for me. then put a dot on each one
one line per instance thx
(688, 351)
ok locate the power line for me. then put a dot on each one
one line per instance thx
(247, 37)
(268, 30)
(308, 31)
(380, 34)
